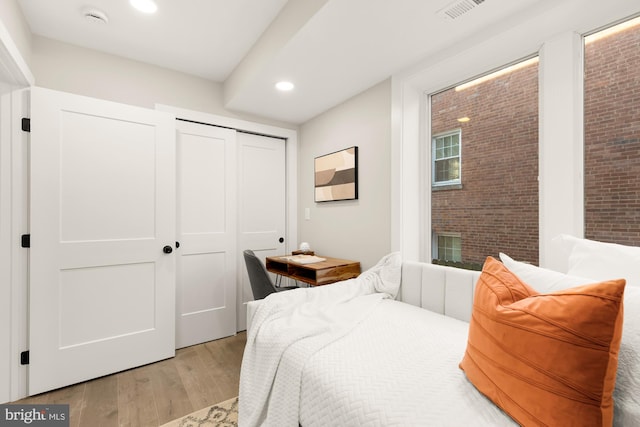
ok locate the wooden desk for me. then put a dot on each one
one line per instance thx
(316, 274)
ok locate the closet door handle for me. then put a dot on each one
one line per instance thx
(167, 249)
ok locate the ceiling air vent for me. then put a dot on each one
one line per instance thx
(458, 8)
(95, 16)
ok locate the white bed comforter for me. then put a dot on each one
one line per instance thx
(397, 368)
(289, 327)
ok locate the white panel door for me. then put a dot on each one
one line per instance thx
(102, 289)
(262, 205)
(206, 297)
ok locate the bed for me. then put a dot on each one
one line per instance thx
(386, 349)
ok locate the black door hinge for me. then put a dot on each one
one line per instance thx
(24, 358)
(26, 124)
(26, 241)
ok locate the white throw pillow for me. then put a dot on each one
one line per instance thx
(627, 409)
(625, 395)
(600, 260)
(541, 279)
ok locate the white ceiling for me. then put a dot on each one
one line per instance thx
(330, 49)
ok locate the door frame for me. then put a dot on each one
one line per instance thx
(15, 76)
(291, 162)
(19, 144)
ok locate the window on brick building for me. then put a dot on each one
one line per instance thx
(448, 248)
(446, 158)
(494, 206)
(612, 134)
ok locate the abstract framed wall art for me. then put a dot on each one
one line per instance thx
(336, 176)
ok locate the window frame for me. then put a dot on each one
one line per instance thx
(436, 246)
(434, 139)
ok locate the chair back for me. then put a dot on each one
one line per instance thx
(261, 284)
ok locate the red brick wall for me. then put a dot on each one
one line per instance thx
(612, 138)
(496, 210)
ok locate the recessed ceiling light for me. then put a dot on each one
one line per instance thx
(144, 6)
(284, 86)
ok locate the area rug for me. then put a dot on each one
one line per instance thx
(223, 414)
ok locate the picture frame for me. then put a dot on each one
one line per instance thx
(336, 176)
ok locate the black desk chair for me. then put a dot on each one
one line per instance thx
(261, 284)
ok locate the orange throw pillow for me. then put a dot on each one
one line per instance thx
(545, 359)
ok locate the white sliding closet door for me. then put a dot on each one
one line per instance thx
(102, 275)
(206, 297)
(262, 204)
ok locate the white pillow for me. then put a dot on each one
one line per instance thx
(542, 279)
(600, 260)
(625, 395)
(627, 409)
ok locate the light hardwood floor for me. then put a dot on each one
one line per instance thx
(152, 395)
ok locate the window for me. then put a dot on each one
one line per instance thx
(449, 248)
(487, 188)
(446, 158)
(612, 134)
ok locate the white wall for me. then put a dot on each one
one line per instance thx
(12, 18)
(68, 68)
(358, 229)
